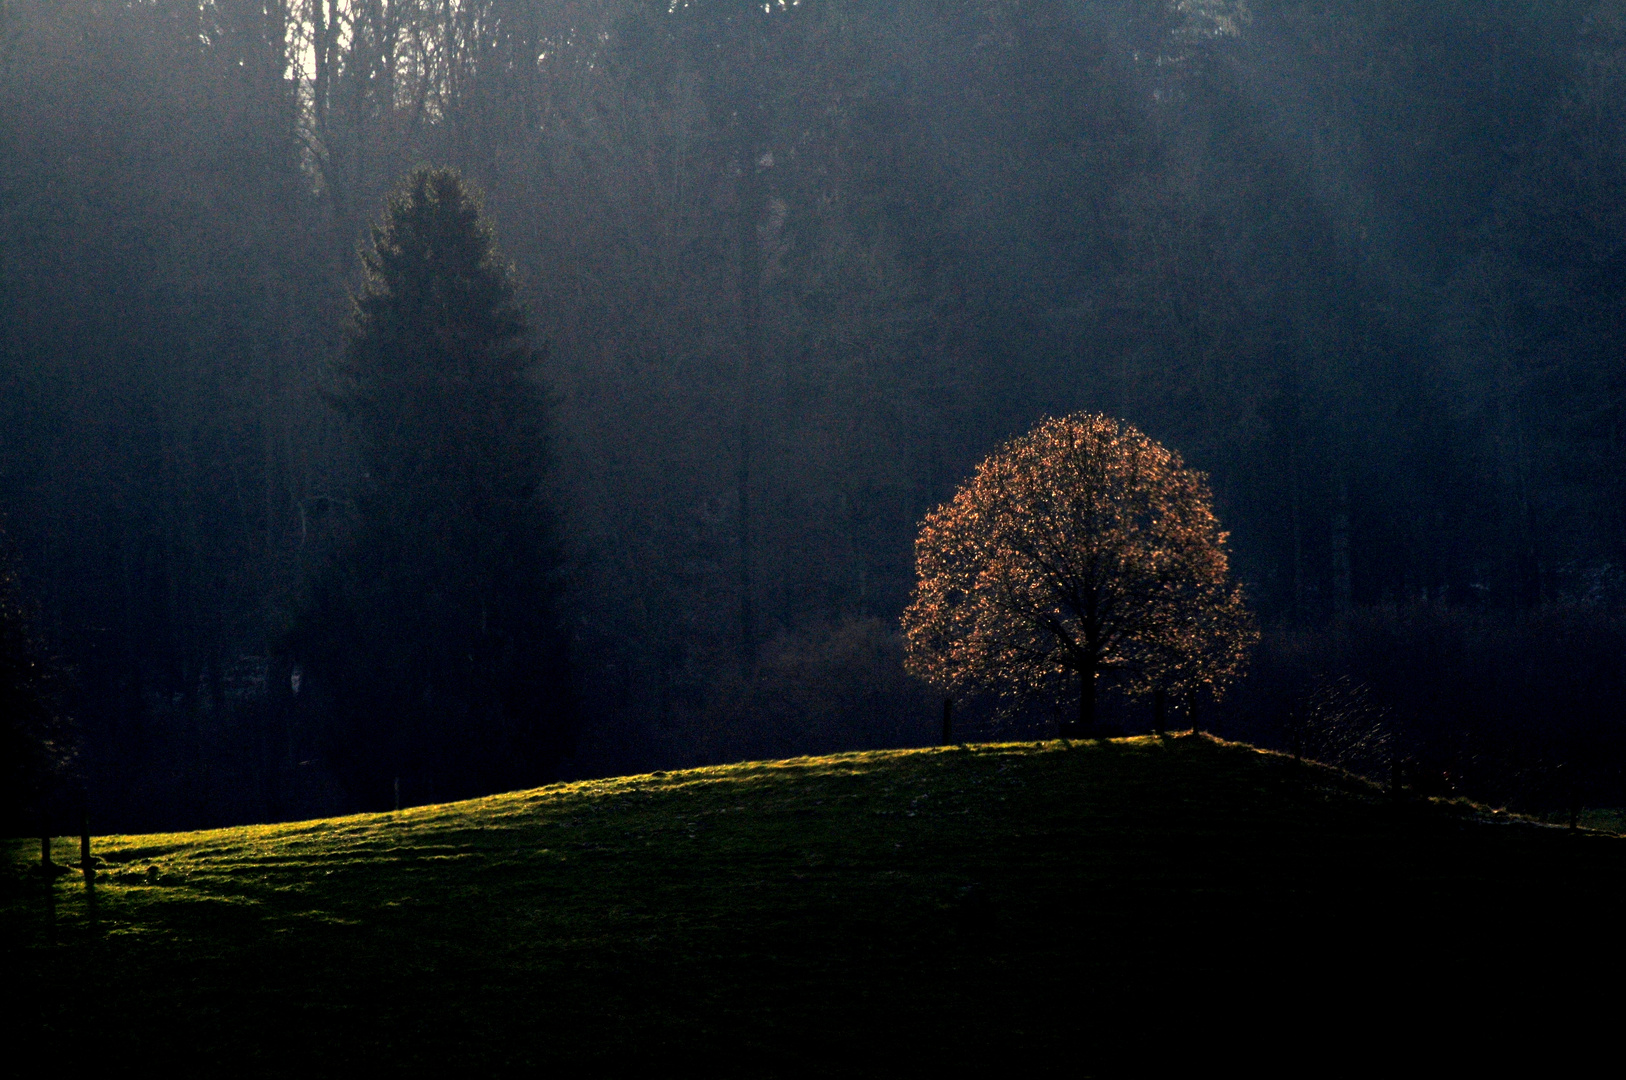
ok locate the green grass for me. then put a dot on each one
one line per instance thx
(876, 909)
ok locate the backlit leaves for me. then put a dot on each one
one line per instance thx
(1081, 548)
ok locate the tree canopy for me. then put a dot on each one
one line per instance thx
(1082, 549)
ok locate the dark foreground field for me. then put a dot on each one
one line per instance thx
(1093, 905)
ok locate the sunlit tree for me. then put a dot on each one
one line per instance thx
(1082, 549)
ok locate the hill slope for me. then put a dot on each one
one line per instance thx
(1021, 899)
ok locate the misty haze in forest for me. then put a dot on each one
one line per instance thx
(788, 271)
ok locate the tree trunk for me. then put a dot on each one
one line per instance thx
(1160, 711)
(1086, 705)
(750, 198)
(1342, 590)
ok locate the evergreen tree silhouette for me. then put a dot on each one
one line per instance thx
(433, 638)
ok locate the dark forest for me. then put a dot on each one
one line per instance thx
(787, 272)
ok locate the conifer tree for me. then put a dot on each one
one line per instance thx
(434, 639)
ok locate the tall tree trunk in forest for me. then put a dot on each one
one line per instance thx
(749, 208)
(1342, 579)
(1288, 420)
(1296, 516)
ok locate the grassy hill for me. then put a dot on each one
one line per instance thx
(881, 909)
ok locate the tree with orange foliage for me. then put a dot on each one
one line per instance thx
(1082, 548)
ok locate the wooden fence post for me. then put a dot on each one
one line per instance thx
(85, 864)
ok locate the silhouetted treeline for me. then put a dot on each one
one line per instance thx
(1451, 701)
(798, 267)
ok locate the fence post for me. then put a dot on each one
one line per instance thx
(85, 864)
